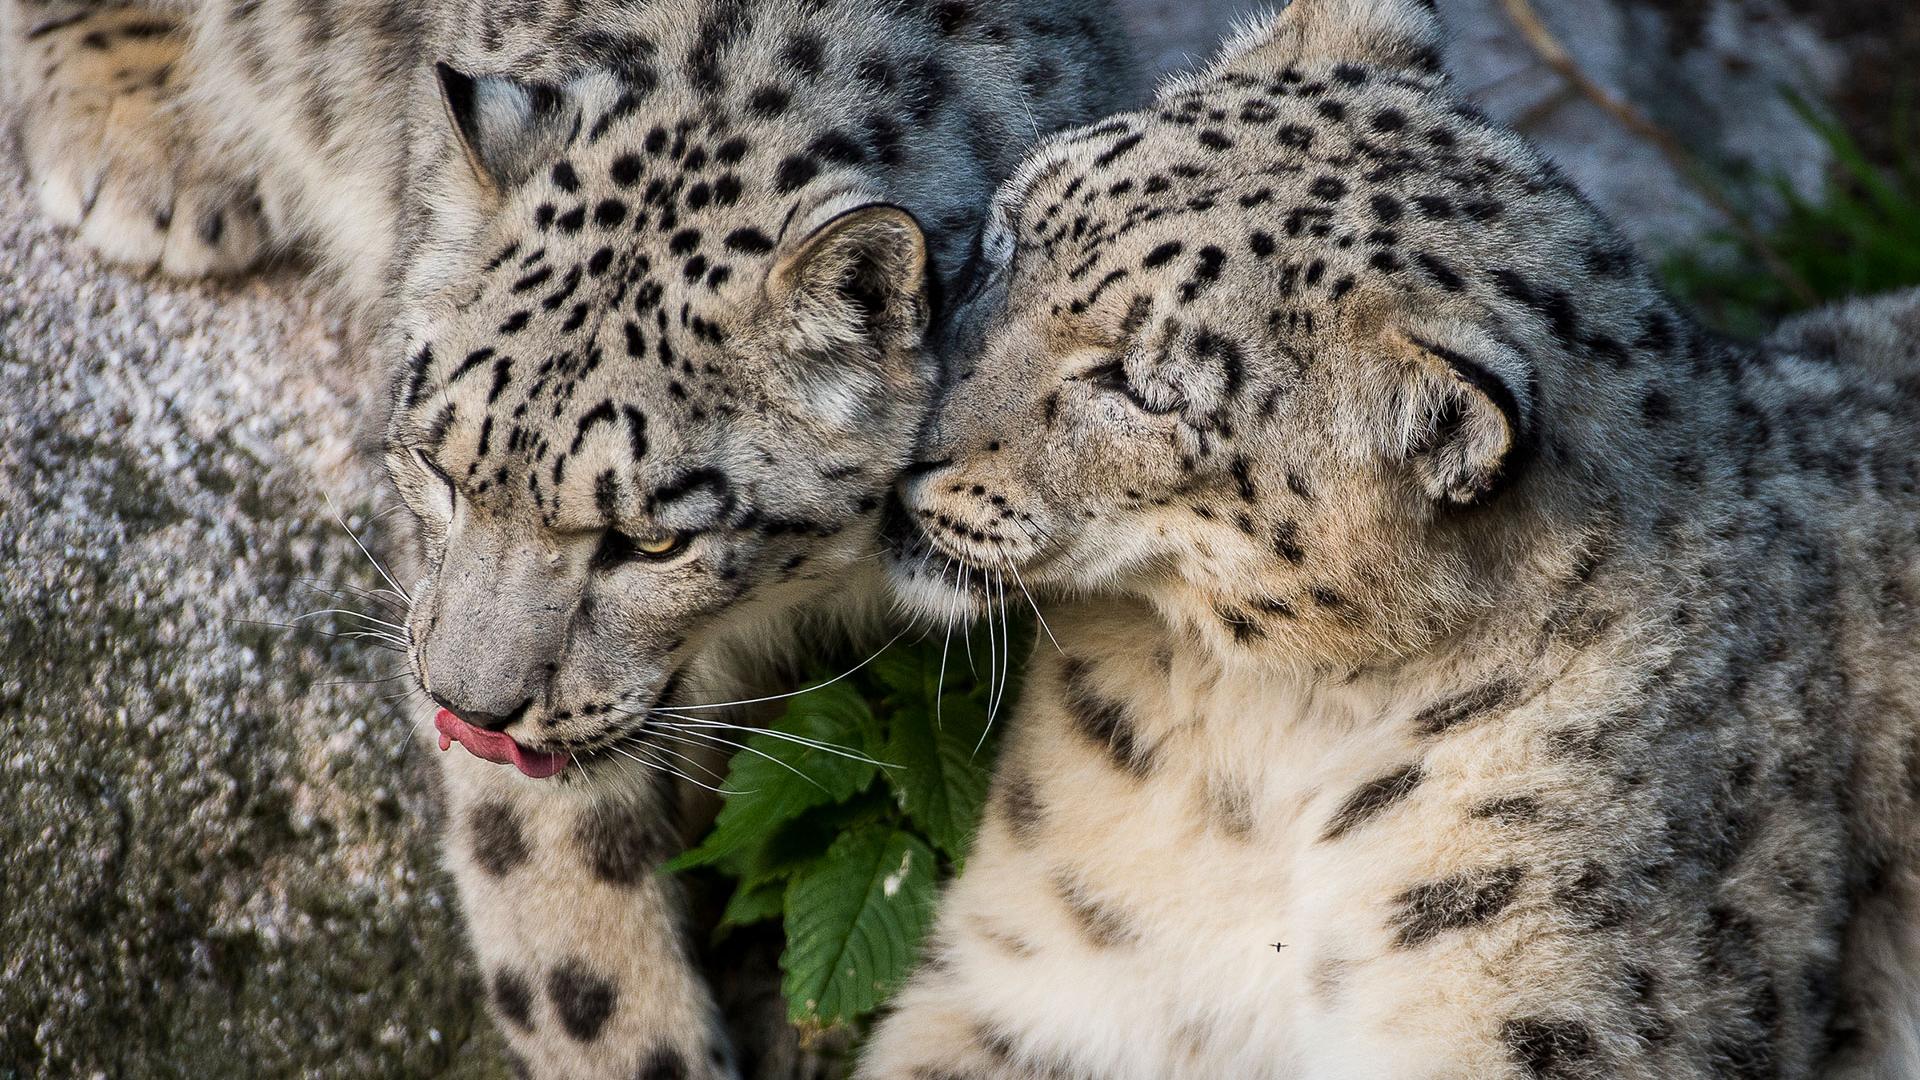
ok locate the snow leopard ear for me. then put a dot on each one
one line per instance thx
(856, 285)
(1464, 416)
(1389, 33)
(507, 127)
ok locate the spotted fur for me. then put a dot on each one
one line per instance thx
(644, 277)
(1467, 667)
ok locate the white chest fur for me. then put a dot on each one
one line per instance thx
(1193, 917)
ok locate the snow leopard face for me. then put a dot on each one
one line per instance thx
(655, 411)
(1265, 351)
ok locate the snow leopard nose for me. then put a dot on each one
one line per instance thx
(484, 720)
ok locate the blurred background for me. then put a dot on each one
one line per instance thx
(216, 850)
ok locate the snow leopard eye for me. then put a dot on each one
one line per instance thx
(1110, 376)
(444, 491)
(426, 464)
(618, 549)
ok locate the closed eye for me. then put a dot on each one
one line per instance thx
(440, 497)
(427, 466)
(974, 275)
(1111, 376)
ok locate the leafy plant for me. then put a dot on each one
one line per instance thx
(843, 817)
(1860, 236)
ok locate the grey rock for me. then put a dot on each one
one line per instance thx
(1712, 72)
(215, 854)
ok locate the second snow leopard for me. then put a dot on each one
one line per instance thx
(653, 278)
(1468, 669)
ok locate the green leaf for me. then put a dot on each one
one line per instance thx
(943, 771)
(775, 779)
(913, 676)
(854, 924)
(904, 670)
(795, 846)
(751, 904)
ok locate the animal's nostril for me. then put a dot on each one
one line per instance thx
(486, 721)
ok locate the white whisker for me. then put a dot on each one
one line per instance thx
(1010, 658)
(1035, 606)
(661, 754)
(1005, 656)
(688, 722)
(997, 688)
(965, 575)
(681, 755)
(940, 693)
(363, 550)
(376, 635)
(311, 630)
(797, 693)
(668, 769)
(738, 745)
(349, 611)
(380, 596)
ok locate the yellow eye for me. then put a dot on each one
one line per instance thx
(659, 547)
(617, 547)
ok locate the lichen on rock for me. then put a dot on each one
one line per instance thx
(215, 833)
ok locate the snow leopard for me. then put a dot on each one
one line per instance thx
(1456, 663)
(648, 282)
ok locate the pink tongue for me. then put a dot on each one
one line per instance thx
(496, 746)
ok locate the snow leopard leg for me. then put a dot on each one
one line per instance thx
(110, 147)
(580, 939)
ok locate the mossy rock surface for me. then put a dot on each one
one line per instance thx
(216, 853)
